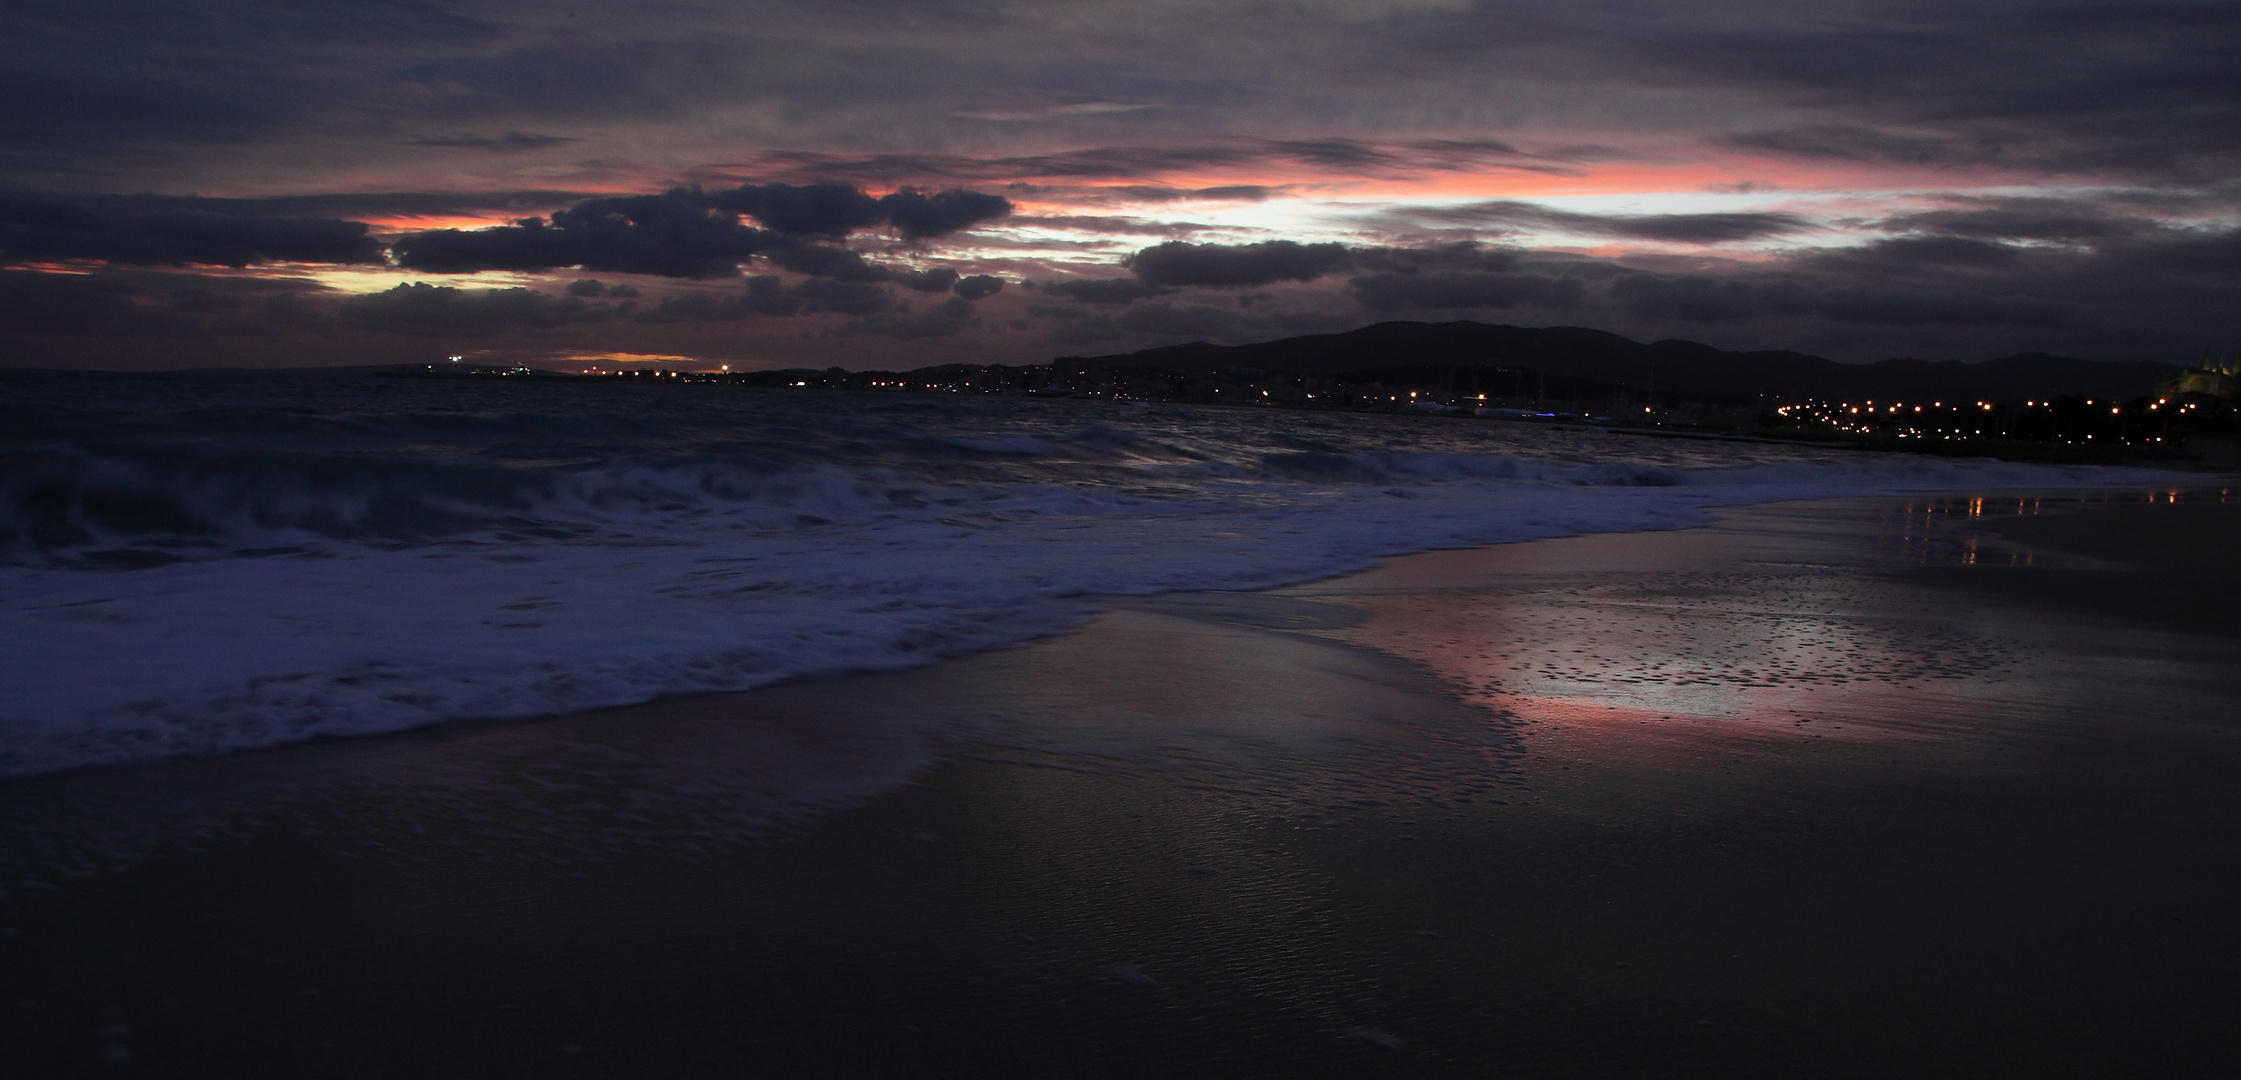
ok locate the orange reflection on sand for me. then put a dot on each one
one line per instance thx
(1705, 630)
(1880, 715)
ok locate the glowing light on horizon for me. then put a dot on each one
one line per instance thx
(627, 358)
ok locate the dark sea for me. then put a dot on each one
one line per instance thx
(197, 564)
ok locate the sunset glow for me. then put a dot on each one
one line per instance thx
(1978, 181)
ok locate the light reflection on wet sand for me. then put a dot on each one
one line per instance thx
(1778, 623)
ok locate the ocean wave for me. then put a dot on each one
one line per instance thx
(58, 504)
(295, 581)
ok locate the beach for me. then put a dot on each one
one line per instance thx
(1283, 539)
(1851, 787)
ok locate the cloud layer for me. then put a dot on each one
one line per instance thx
(782, 180)
(690, 233)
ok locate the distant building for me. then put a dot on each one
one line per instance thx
(2221, 380)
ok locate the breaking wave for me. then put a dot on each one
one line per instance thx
(255, 562)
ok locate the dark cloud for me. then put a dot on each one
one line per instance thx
(1177, 321)
(1125, 290)
(835, 210)
(1699, 299)
(2057, 220)
(1918, 254)
(77, 304)
(2132, 100)
(1362, 157)
(587, 287)
(686, 232)
(45, 229)
(505, 143)
(1234, 192)
(211, 26)
(1465, 289)
(137, 86)
(1103, 162)
(124, 210)
(673, 234)
(293, 312)
(134, 304)
(1104, 225)
(360, 206)
(1469, 147)
(1937, 307)
(2149, 292)
(1343, 155)
(1140, 161)
(843, 297)
(137, 82)
(1670, 228)
(560, 80)
(1176, 263)
(1913, 283)
(2196, 258)
(1074, 328)
(203, 300)
(1695, 228)
(766, 296)
(808, 209)
(54, 109)
(1465, 256)
(441, 310)
(1497, 154)
(979, 286)
(938, 279)
(819, 260)
(945, 319)
(708, 307)
(922, 215)
(1164, 322)
(2142, 90)
(1844, 142)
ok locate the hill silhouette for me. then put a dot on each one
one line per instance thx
(1674, 370)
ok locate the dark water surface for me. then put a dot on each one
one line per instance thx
(200, 564)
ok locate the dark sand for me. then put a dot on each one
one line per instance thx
(1861, 788)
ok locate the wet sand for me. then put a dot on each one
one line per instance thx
(1853, 788)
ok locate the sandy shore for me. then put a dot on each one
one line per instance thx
(1854, 788)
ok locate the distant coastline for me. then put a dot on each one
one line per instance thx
(2030, 406)
(2025, 407)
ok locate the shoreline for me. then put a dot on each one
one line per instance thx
(2079, 553)
(1949, 504)
(1802, 796)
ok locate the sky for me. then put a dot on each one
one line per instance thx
(892, 184)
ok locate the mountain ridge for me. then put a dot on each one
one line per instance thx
(1671, 369)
